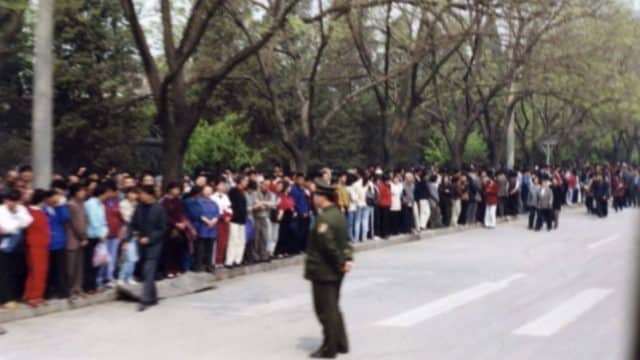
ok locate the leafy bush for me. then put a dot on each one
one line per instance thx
(220, 144)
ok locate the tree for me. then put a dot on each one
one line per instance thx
(101, 114)
(308, 77)
(420, 36)
(180, 97)
(11, 23)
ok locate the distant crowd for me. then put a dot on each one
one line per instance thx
(90, 231)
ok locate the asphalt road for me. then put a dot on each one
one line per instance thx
(482, 294)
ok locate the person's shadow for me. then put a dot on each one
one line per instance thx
(308, 344)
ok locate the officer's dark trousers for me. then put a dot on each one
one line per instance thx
(149, 293)
(326, 297)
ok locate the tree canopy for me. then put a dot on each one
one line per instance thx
(218, 83)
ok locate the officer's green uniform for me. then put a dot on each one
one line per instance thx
(327, 252)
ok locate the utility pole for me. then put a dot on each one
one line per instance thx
(42, 117)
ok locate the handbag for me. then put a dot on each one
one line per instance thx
(101, 255)
(9, 242)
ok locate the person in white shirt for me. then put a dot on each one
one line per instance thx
(352, 210)
(224, 206)
(396, 204)
(14, 218)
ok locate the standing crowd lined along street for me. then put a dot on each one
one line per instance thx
(90, 231)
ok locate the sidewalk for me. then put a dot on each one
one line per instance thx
(197, 282)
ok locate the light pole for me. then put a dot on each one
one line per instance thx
(42, 117)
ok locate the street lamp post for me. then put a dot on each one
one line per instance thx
(42, 117)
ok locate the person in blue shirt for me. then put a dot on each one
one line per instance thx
(303, 211)
(97, 232)
(58, 215)
(207, 231)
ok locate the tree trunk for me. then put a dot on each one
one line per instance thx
(390, 152)
(173, 150)
(42, 137)
(300, 156)
(492, 151)
(457, 153)
(526, 156)
(302, 159)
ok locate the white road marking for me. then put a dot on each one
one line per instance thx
(448, 303)
(563, 315)
(303, 299)
(604, 241)
(284, 303)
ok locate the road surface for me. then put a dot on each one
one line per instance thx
(481, 294)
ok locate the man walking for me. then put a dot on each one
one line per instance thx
(329, 257)
(149, 222)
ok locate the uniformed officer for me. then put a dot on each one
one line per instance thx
(329, 258)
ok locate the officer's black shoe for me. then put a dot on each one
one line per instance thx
(343, 350)
(322, 354)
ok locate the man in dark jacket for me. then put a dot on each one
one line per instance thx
(329, 257)
(149, 223)
(601, 195)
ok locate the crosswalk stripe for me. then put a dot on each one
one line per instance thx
(563, 315)
(448, 303)
(604, 241)
(302, 299)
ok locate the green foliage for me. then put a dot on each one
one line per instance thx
(101, 116)
(220, 145)
(437, 152)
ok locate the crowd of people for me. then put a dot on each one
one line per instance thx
(92, 231)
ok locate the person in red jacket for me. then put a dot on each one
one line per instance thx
(491, 190)
(618, 193)
(37, 236)
(383, 210)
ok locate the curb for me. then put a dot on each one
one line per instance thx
(198, 282)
